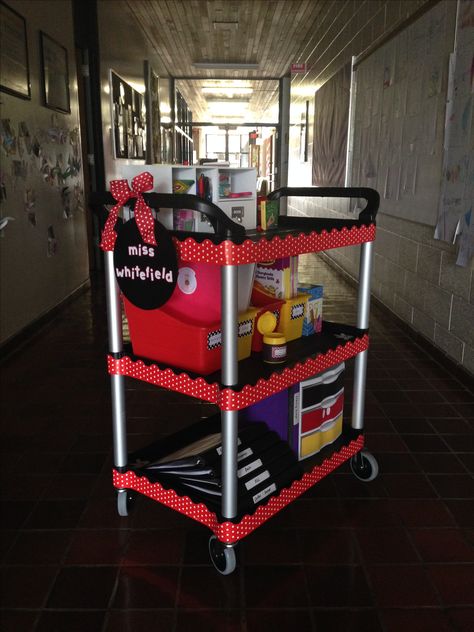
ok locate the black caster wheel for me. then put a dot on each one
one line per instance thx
(222, 556)
(125, 498)
(364, 466)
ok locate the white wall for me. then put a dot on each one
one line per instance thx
(31, 282)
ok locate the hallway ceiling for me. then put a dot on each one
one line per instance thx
(271, 34)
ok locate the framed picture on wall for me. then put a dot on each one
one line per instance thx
(55, 74)
(14, 67)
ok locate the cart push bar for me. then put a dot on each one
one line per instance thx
(370, 195)
(225, 227)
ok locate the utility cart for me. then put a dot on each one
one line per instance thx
(238, 385)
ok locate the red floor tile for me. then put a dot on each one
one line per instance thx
(202, 587)
(453, 485)
(140, 621)
(443, 545)
(82, 588)
(402, 586)
(160, 546)
(209, 620)
(39, 547)
(97, 547)
(272, 620)
(419, 620)
(146, 587)
(338, 587)
(70, 620)
(382, 546)
(454, 583)
(275, 587)
(17, 620)
(25, 587)
(422, 512)
(364, 620)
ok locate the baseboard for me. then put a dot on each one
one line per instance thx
(456, 369)
(25, 335)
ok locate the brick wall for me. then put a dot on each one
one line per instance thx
(415, 276)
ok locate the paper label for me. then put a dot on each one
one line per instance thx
(264, 493)
(249, 468)
(244, 454)
(253, 482)
(296, 409)
(297, 311)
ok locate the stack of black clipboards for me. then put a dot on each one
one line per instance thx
(265, 465)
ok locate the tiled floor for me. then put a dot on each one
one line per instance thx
(392, 555)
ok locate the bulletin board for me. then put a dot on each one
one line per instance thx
(399, 116)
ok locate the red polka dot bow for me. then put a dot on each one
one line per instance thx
(143, 215)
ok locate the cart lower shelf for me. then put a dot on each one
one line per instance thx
(349, 444)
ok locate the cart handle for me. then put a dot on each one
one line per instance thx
(371, 195)
(221, 223)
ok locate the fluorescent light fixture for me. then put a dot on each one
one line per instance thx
(229, 90)
(227, 120)
(222, 65)
(227, 108)
(225, 25)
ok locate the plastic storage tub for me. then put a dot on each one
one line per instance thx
(198, 291)
(186, 343)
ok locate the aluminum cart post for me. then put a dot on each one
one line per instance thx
(119, 421)
(223, 555)
(363, 464)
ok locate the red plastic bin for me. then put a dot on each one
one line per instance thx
(161, 335)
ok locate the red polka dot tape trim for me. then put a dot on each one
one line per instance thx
(227, 252)
(228, 531)
(235, 400)
(226, 398)
(180, 383)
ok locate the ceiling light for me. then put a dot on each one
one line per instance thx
(225, 25)
(229, 90)
(222, 65)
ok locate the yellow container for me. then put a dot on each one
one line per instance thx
(245, 332)
(292, 316)
(313, 442)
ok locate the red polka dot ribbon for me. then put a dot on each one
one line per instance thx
(121, 192)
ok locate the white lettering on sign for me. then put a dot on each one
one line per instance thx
(147, 274)
(141, 251)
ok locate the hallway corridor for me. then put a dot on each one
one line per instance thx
(394, 554)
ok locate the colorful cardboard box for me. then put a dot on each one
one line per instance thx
(313, 318)
(278, 278)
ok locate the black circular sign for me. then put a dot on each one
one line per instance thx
(146, 274)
